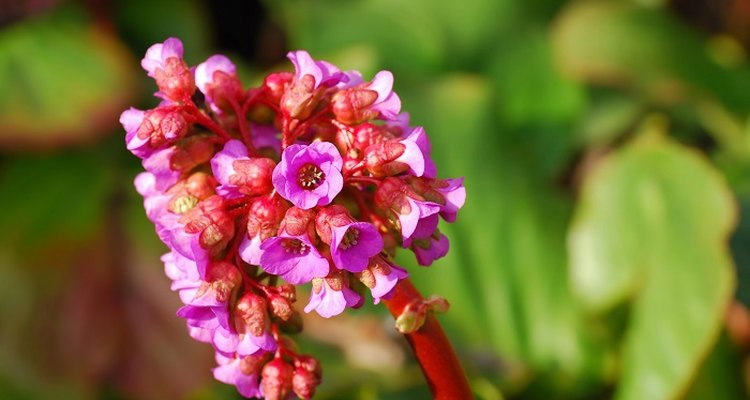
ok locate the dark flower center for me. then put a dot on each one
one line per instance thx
(350, 238)
(310, 176)
(294, 246)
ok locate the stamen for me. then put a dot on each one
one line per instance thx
(294, 246)
(351, 238)
(310, 176)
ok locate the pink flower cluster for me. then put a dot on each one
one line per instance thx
(315, 176)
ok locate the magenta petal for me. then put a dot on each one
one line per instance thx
(204, 72)
(455, 197)
(295, 267)
(225, 340)
(413, 157)
(356, 257)
(322, 155)
(158, 163)
(425, 228)
(384, 284)
(250, 251)
(438, 248)
(418, 211)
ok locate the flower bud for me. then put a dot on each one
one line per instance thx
(289, 292)
(437, 304)
(162, 125)
(298, 222)
(252, 364)
(300, 98)
(190, 153)
(304, 383)
(222, 277)
(281, 308)
(223, 89)
(411, 318)
(391, 194)
(381, 159)
(265, 216)
(328, 217)
(212, 222)
(275, 84)
(175, 81)
(251, 313)
(308, 363)
(277, 380)
(253, 176)
(350, 106)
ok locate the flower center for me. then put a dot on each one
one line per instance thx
(310, 176)
(294, 246)
(350, 238)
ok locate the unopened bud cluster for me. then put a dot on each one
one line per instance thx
(314, 177)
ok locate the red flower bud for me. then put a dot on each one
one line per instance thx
(175, 81)
(298, 222)
(191, 152)
(251, 315)
(223, 89)
(380, 159)
(162, 125)
(350, 106)
(300, 98)
(304, 383)
(331, 216)
(277, 380)
(222, 278)
(275, 84)
(265, 216)
(253, 176)
(211, 220)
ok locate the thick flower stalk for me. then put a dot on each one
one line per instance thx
(314, 177)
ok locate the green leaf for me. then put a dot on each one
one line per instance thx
(651, 229)
(61, 81)
(507, 258)
(619, 43)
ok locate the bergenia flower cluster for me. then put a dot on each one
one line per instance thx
(314, 177)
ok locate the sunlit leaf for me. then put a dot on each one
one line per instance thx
(652, 228)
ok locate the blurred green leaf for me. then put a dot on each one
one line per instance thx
(405, 37)
(652, 227)
(145, 22)
(720, 376)
(620, 43)
(503, 273)
(61, 81)
(53, 203)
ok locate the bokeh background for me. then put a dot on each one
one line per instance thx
(604, 251)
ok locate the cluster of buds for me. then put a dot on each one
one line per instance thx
(313, 177)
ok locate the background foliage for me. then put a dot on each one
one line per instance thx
(604, 251)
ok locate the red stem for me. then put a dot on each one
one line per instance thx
(432, 349)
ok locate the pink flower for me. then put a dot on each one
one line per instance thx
(385, 281)
(217, 79)
(164, 63)
(353, 244)
(294, 258)
(331, 296)
(234, 371)
(454, 192)
(239, 174)
(431, 248)
(324, 73)
(309, 176)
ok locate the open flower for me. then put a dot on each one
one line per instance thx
(294, 258)
(309, 176)
(353, 244)
(331, 296)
